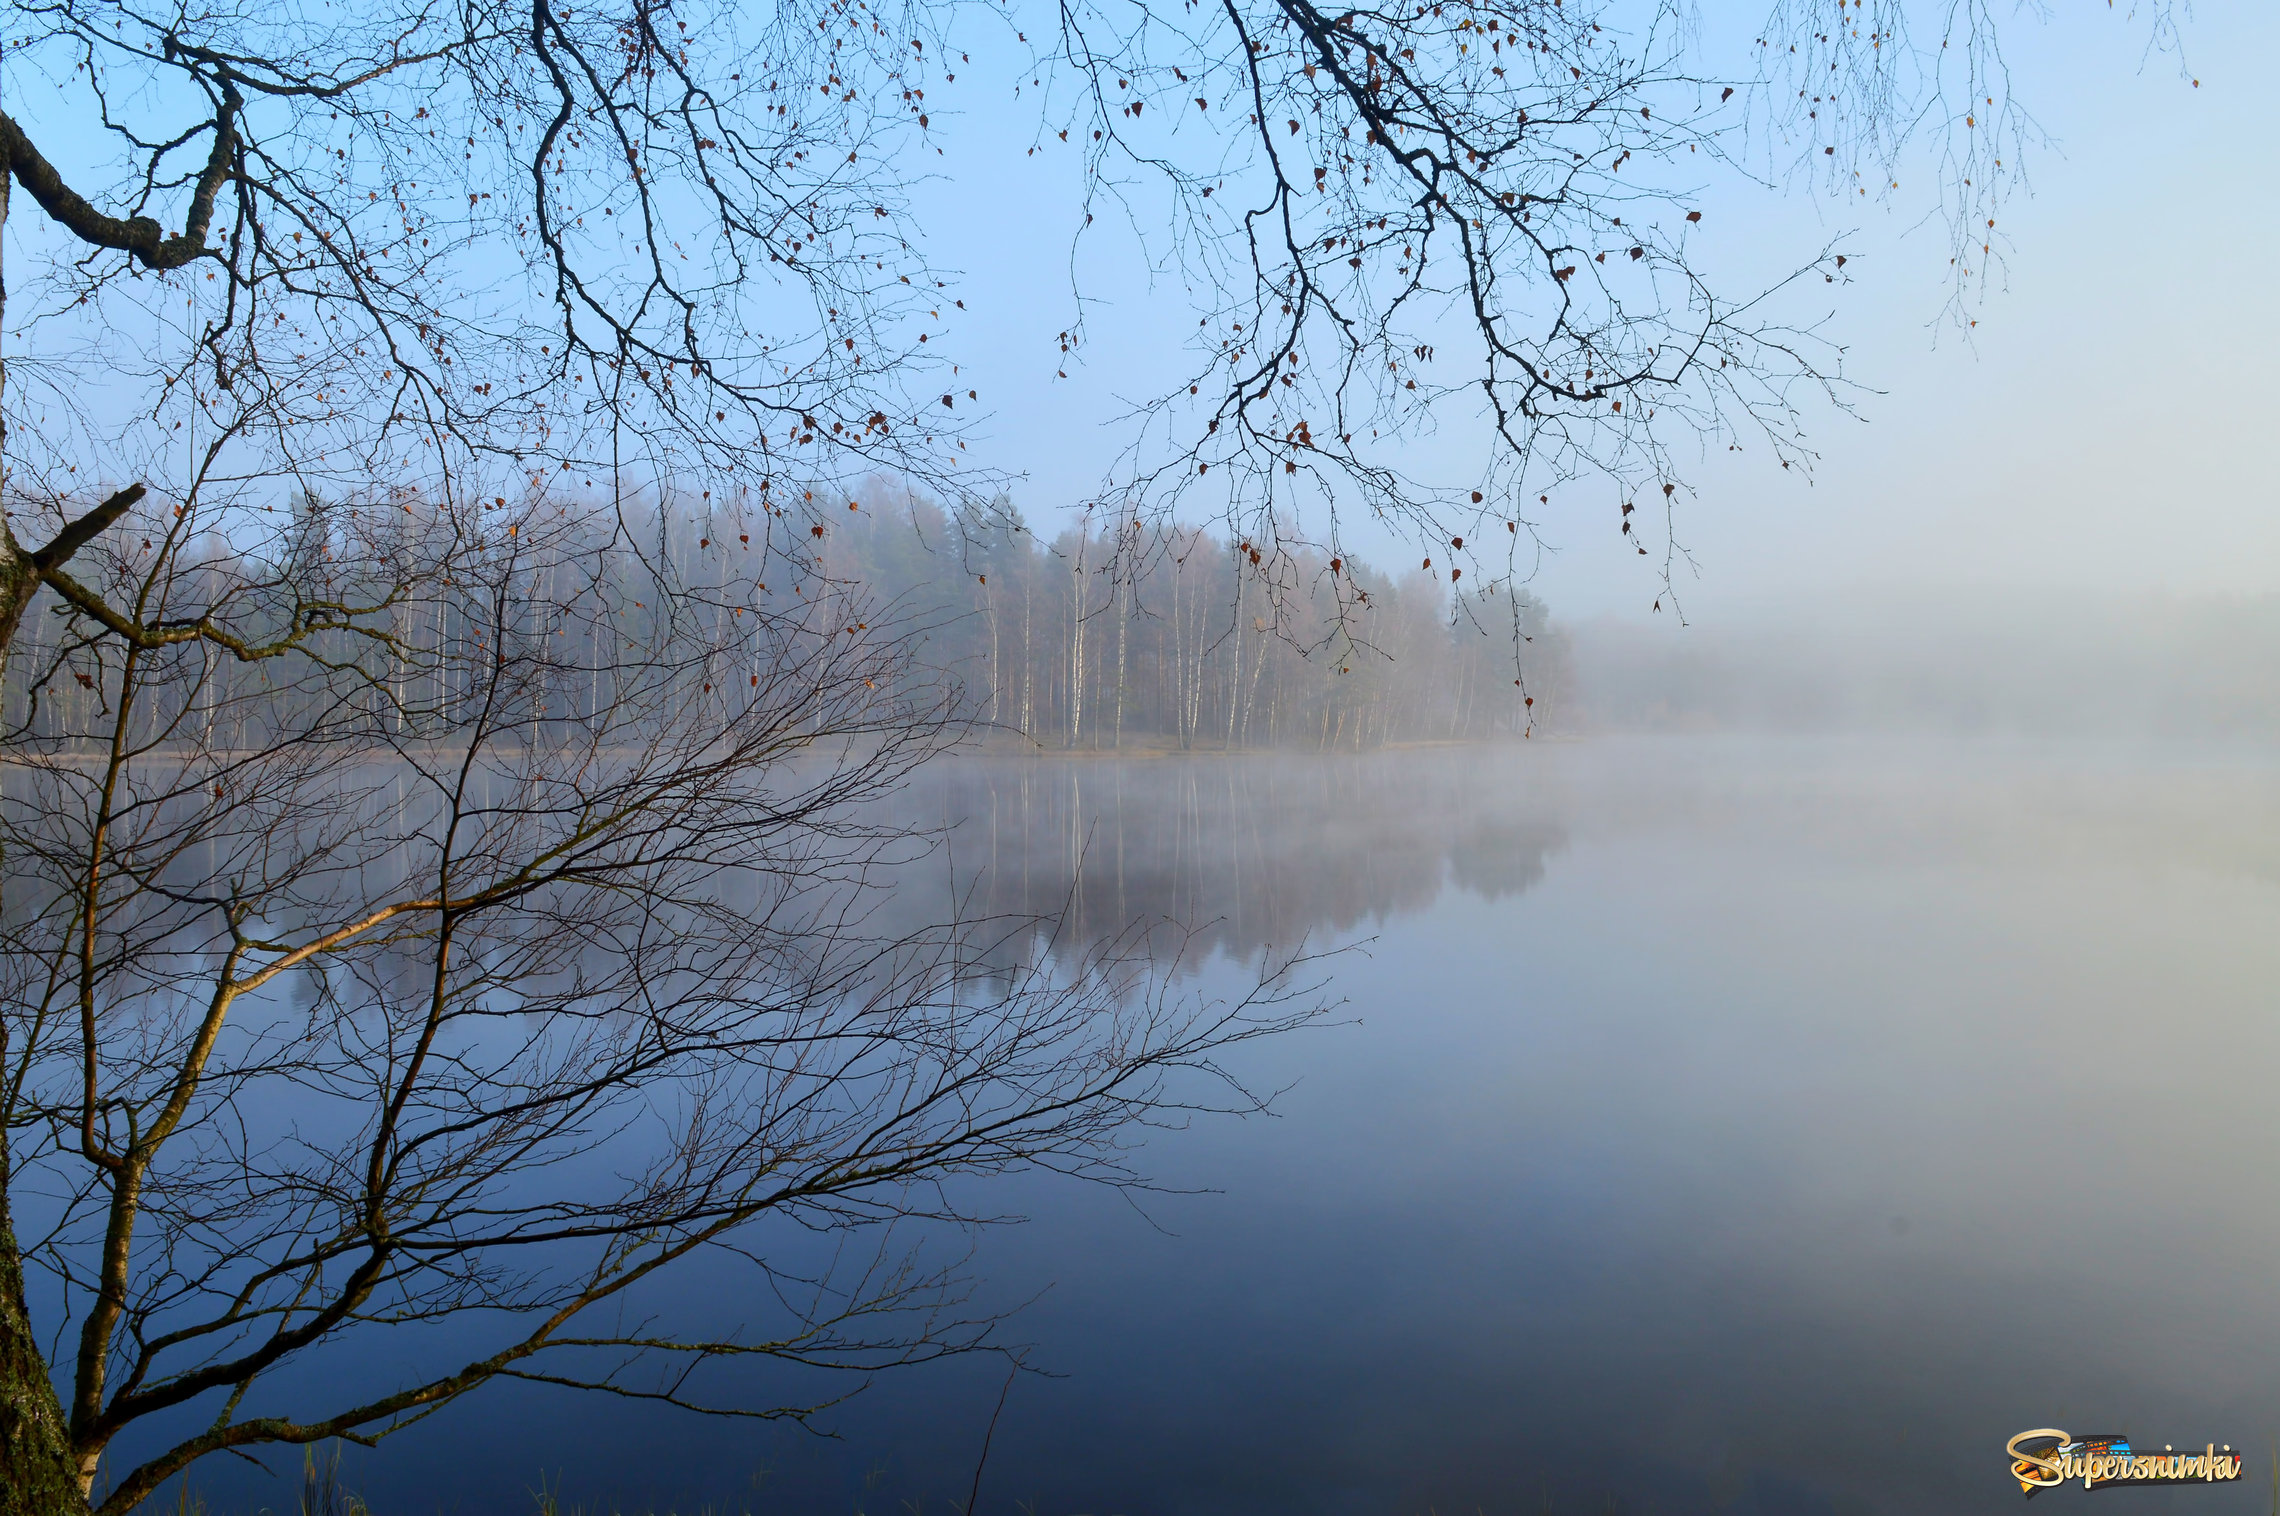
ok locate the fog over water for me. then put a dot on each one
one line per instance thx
(2078, 664)
(1709, 1123)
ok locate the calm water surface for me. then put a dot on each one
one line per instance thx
(1721, 1126)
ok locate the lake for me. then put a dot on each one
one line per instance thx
(1729, 1125)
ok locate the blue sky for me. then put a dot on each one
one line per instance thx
(2102, 430)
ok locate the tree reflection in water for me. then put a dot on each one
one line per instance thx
(1237, 855)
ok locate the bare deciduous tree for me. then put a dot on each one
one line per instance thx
(477, 251)
(476, 983)
(268, 264)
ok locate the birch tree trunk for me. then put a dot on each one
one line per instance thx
(1123, 630)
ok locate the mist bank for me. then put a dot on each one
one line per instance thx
(1117, 631)
(2027, 664)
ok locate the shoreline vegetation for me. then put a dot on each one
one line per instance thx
(1131, 635)
(1112, 635)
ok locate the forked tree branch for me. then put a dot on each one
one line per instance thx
(141, 236)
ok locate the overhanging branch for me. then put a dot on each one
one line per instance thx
(140, 236)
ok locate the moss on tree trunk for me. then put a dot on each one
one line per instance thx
(37, 1475)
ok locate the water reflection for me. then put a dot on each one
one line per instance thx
(1248, 854)
(1748, 1129)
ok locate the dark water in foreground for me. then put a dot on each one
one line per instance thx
(1716, 1126)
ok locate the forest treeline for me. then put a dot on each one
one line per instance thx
(1112, 633)
(1103, 635)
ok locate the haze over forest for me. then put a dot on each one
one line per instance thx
(1412, 661)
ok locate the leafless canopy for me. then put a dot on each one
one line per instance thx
(493, 249)
(475, 980)
(1484, 223)
(462, 248)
